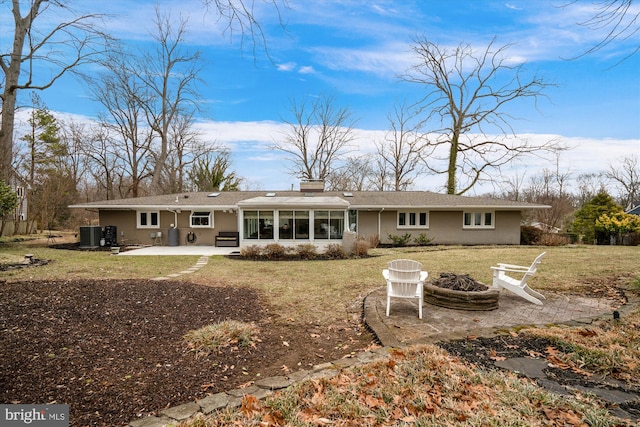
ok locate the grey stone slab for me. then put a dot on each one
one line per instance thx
(274, 383)
(553, 387)
(323, 366)
(613, 396)
(532, 368)
(370, 356)
(239, 392)
(345, 363)
(181, 412)
(234, 402)
(325, 373)
(299, 376)
(213, 402)
(263, 393)
(152, 422)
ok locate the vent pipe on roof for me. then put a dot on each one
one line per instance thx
(312, 186)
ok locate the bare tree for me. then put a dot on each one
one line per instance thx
(185, 149)
(317, 138)
(240, 16)
(357, 174)
(619, 20)
(105, 166)
(403, 151)
(588, 186)
(73, 40)
(626, 177)
(170, 76)
(466, 100)
(123, 95)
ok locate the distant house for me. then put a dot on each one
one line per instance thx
(634, 210)
(310, 215)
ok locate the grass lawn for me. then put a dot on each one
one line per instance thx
(439, 389)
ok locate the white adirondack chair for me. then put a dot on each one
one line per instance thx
(518, 286)
(405, 279)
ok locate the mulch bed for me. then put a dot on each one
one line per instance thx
(114, 350)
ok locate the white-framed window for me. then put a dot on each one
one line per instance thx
(148, 219)
(328, 224)
(478, 219)
(201, 219)
(258, 225)
(413, 219)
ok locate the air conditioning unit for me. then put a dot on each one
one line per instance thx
(90, 236)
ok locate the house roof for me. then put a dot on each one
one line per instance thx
(372, 200)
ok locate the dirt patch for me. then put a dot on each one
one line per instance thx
(114, 350)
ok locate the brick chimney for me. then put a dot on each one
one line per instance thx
(312, 186)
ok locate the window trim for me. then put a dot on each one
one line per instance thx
(149, 218)
(209, 216)
(483, 217)
(415, 214)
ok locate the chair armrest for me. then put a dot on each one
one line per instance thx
(423, 276)
(514, 270)
(513, 266)
(385, 274)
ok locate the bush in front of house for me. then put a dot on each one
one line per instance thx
(530, 235)
(335, 251)
(400, 240)
(307, 251)
(251, 252)
(554, 239)
(274, 251)
(361, 248)
(422, 240)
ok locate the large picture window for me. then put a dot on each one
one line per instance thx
(201, 219)
(258, 225)
(478, 219)
(293, 225)
(413, 219)
(148, 219)
(328, 224)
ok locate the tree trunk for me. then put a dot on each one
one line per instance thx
(453, 160)
(12, 75)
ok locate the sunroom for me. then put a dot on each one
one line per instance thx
(293, 220)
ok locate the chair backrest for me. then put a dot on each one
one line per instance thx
(534, 265)
(532, 269)
(404, 270)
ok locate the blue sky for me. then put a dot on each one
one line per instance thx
(355, 50)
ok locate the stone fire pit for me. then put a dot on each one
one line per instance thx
(460, 292)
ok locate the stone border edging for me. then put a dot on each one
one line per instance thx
(261, 389)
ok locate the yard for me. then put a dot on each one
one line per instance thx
(109, 341)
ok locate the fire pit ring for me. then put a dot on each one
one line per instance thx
(479, 298)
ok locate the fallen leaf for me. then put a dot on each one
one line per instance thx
(250, 406)
(284, 343)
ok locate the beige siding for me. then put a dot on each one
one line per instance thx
(126, 222)
(445, 227)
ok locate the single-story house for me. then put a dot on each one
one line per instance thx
(311, 215)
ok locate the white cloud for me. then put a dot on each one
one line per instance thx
(288, 66)
(307, 69)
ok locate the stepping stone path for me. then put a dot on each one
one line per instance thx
(197, 266)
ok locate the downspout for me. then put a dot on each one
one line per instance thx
(380, 221)
(175, 216)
